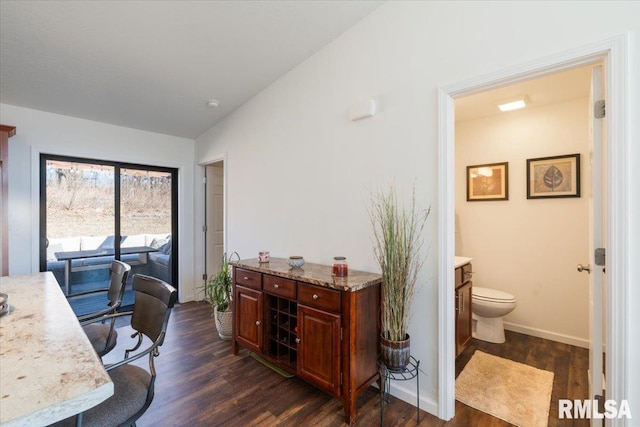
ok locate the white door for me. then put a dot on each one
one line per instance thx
(596, 218)
(214, 206)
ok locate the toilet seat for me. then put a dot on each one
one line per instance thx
(491, 295)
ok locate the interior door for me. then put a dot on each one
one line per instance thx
(214, 215)
(596, 218)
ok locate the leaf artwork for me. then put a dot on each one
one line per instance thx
(553, 178)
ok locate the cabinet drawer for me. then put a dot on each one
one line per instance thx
(322, 298)
(247, 278)
(463, 274)
(467, 271)
(279, 286)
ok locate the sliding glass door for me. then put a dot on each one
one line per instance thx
(146, 220)
(92, 212)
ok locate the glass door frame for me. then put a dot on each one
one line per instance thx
(118, 166)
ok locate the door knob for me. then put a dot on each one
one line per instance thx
(586, 268)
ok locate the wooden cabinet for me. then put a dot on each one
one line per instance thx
(323, 329)
(248, 318)
(463, 307)
(319, 348)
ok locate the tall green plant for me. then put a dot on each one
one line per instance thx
(397, 243)
(218, 287)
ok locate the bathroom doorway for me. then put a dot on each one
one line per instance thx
(525, 246)
(613, 54)
(517, 234)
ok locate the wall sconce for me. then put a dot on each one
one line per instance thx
(362, 110)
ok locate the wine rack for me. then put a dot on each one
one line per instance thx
(282, 330)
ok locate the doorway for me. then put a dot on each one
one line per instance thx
(529, 242)
(511, 238)
(214, 216)
(613, 53)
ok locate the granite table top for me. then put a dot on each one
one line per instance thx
(48, 369)
(316, 274)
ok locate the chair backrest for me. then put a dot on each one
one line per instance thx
(119, 274)
(152, 307)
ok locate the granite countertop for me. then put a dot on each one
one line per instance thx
(317, 274)
(48, 369)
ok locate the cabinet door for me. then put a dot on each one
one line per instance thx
(463, 316)
(248, 313)
(319, 348)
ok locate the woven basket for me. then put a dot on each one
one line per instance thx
(224, 321)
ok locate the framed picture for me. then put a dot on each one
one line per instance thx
(488, 182)
(549, 177)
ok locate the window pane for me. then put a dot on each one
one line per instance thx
(79, 220)
(145, 220)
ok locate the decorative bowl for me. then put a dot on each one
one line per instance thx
(296, 261)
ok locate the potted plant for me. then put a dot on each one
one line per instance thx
(218, 293)
(397, 244)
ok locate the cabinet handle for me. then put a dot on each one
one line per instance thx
(297, 340)
(257, 323)
(458, 303)
(275, 285)
(246, 278)
(315, 296)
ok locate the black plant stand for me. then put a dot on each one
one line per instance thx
(386, 375)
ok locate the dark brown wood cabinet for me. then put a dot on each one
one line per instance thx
(463, 307)
(320, 328)
(319, 349)
(248, 315)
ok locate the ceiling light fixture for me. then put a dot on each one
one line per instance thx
(213, 103)
(513, 103)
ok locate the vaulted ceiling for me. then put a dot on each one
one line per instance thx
(153, 65)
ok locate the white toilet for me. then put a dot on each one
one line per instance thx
(488, 308)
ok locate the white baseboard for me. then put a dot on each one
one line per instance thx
(406, 391)
(553, 336)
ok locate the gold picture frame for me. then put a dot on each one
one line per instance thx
(488, 182)
(553, 177)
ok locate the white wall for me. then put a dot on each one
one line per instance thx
(529, 248)
(299, 172)
(40, 132)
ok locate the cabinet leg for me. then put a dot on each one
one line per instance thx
(349, 409)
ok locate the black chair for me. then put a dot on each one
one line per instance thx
(103, 335)
(133, 385)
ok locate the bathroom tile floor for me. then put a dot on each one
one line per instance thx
(568, 363)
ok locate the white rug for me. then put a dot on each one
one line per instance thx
(514, 392)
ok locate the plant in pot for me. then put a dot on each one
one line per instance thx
(397, 244)
(218, 291)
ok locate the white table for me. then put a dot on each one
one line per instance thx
(48, 368)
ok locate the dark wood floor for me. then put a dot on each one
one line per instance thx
(201, 383)
(568, 363)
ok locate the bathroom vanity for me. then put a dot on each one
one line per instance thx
(322, 328)
(463, 298)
